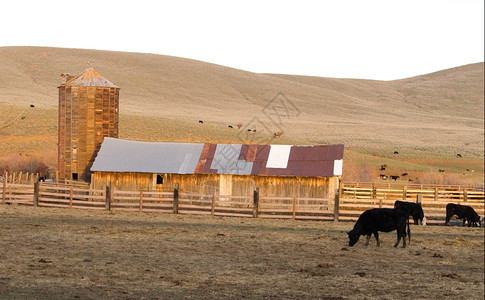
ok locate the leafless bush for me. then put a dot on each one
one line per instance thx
(19, 163)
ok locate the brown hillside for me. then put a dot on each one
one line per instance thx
(439, 113)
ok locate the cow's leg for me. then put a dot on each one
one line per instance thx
(399, 234)
(367, 240)
(376, 234)
(464, 221)
(448, 217)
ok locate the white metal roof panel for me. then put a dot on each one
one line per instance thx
(278, 156)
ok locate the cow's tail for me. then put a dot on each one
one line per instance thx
(409, 231)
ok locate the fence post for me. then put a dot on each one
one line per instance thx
(4, 193)
(294, 208)
(341, 189)
(374, 191)
(336, 203)
(419, 199)
(36, 193)
(405, 192)
(176, 199)
(436, 194)
(465, 195)
(108, 196)
(256, 202)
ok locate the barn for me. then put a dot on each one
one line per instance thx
(224, 169)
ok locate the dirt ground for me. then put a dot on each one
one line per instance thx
(48, 253)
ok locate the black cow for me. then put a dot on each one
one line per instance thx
(462, 212)
(380, 219)
(413, 209)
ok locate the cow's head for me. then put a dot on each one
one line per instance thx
(476, 220)
(353, 237)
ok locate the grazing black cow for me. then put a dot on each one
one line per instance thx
(200, 121)
(230, 126)
(380, 219)
(459, 155)
(462, 212)
(394, 177)
(413, 209)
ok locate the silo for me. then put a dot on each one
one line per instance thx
(88, 112)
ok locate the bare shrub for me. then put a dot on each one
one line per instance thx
(25, 164)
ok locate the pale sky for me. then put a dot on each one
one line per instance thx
(367, 39)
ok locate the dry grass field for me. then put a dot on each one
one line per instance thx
(49, 253)
(76, 254)
(428, 119)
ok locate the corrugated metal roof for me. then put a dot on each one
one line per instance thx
(118, 155)
(90, 77)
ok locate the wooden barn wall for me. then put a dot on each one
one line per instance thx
(128, 181)
(86, 116)
(322, 187)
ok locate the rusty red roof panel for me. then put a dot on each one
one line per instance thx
(205, 160)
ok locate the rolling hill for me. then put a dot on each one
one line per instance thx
(435, 115)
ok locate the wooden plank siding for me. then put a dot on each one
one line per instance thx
(86, 116)
(223, 184)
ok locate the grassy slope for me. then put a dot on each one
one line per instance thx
(427, 117)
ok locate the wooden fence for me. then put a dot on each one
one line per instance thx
(20, 177)
(352, 201)
(356, 198)
(65, 196)
(410, 192)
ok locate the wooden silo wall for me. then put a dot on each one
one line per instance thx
(86, 116)
(207, 184)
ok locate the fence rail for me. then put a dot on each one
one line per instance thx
(410, 192)
(349, 204)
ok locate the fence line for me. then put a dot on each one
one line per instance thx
(256, 206)
(410, 192)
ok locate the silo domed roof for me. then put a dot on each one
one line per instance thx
(90, 77)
